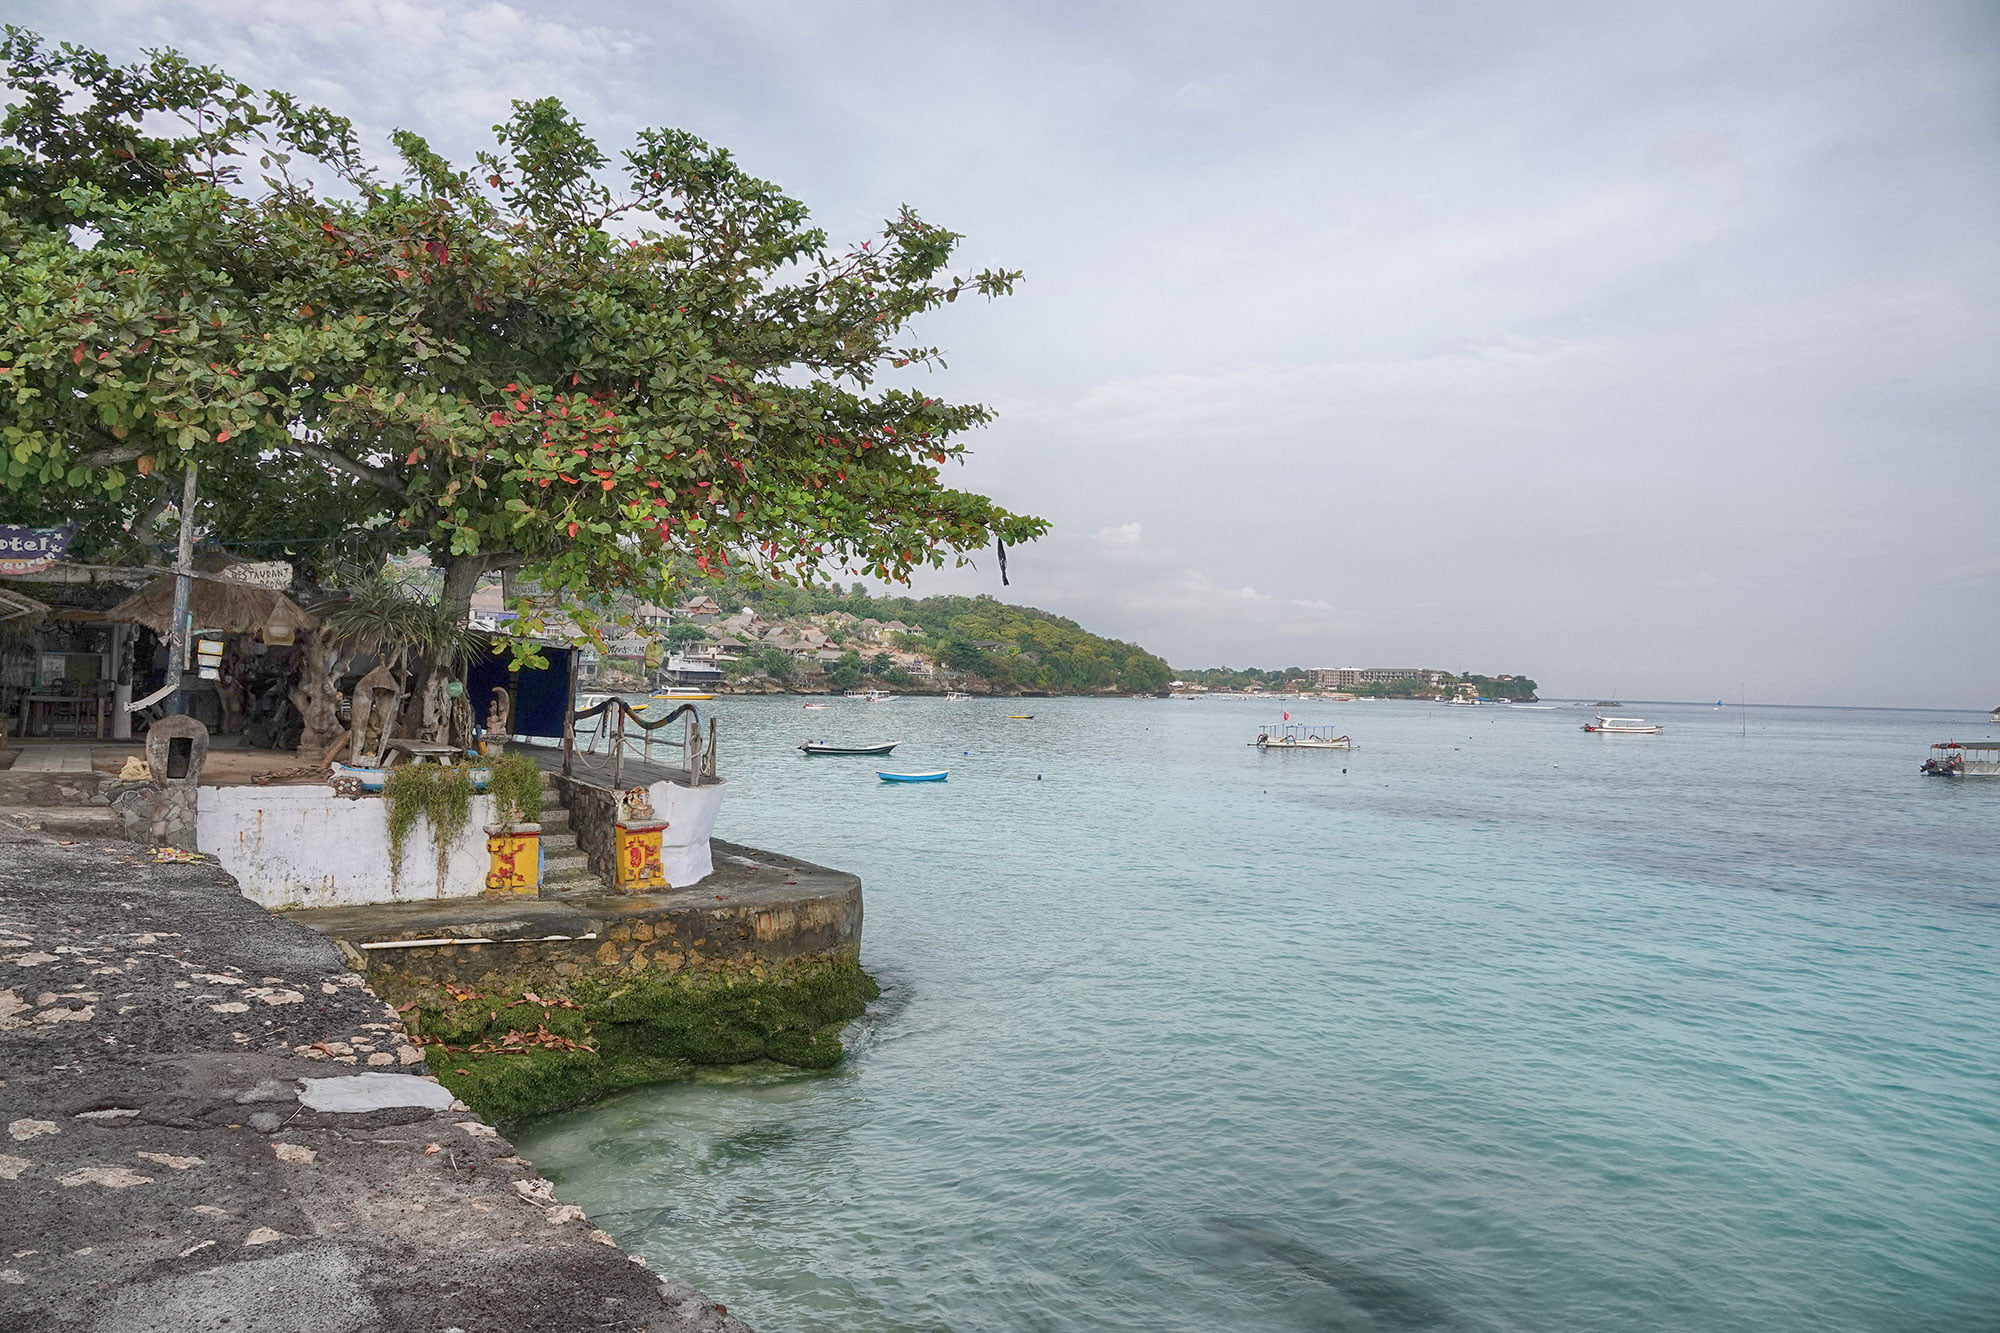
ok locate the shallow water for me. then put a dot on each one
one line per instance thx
(1488, 1024)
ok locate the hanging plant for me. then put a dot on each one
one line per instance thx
(516, 786)
(439, 793)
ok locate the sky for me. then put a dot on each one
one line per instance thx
(1651, 351)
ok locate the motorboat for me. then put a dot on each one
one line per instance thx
(939, 776)
(956, 698)
(1963, 759)
(811, 707)
(682, 696)
(877, 697)
(1292, 736)
(1622, 726)
(821, 747)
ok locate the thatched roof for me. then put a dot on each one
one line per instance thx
(216, 604)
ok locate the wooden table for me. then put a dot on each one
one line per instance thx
(64, 715)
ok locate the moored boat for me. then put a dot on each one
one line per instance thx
(956, 698)
(820, 747)
(1293, 736)
(1964, 759)
(682, 696)
(939, 776)
(1622, 726)
(1020, 717)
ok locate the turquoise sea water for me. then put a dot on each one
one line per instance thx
(1487, 1025)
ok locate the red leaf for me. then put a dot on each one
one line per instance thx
(572, 529)
(76, 357)
(221, 436)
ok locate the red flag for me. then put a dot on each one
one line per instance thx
(1288, 717)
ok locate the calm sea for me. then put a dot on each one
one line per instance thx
(1489, 1024)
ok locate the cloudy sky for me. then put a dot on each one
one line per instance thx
(1653, 351)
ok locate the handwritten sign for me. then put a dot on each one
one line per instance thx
(32, 550)
(259, 573)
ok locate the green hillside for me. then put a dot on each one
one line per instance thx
(1013, 647)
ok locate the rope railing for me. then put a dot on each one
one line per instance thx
(697, 756)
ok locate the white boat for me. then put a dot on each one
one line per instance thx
(1292, 736)
(956, 698)
(1622, 726)
(877, 697)
(1463, 701)
(1964, 759)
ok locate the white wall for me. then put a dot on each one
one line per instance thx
(306, 847)
(690, 816)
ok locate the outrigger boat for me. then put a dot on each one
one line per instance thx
(1622, 726)
(938, 776)
(1964, 759)
(1292, 736)
(820, 747)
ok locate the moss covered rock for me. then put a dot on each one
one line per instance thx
(515, 1051)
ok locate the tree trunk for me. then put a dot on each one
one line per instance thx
(461, 579)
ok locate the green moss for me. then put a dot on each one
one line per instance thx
(634, 1030)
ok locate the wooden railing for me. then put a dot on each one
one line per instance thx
(614, 716)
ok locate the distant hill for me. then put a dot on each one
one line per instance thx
(1010, 647)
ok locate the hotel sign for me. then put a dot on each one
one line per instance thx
(32, 550)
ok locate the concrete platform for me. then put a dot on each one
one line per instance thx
(160, 1172)
(758, 910)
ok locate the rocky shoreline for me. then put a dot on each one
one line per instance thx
(175, 1160)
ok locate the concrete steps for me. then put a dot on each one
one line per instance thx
(65, 821)
(565, 869)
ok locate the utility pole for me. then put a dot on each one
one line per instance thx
(178, 643)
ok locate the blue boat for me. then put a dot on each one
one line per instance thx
(938, 776)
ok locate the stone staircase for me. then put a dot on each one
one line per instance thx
(61, 803)
(565, 869)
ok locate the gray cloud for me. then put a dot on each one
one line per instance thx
(1649, 352)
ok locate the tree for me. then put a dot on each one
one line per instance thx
(682, 632)
(776, 663)
(536, 363)
(846, 673)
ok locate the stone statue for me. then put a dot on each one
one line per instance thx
(373, 717)
(500, 715)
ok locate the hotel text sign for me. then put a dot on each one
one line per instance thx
(32, 550)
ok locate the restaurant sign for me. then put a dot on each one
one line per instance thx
(259, 573)
(32, 550)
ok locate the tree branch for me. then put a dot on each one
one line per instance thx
(333, 458)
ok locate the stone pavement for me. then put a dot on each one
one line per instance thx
(160, 1172)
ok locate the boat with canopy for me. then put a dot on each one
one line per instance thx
(1963, 759)
(1294, 736)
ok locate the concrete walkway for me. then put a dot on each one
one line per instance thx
(54, 758)
(170, 1159)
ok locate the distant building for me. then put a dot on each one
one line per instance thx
(1346, 678)
(703, 610)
